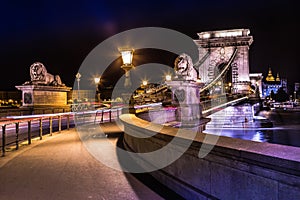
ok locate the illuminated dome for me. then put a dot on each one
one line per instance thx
(270, 76)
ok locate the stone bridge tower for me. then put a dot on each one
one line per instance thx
(216, 49)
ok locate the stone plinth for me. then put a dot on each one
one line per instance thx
(186, 97)
(43, 96)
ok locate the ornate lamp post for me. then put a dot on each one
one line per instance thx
(127, 55)
(78, 76)
(97, 81)
(144, 84)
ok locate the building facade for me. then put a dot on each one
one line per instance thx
(270, 83)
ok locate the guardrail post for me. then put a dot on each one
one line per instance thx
(3, 140)
(50, 125)
(95, 119)
(118, 113)
(17, 135)
(68, 121)
(59, 123)
(110, 115)
(29, 132)
(41, 129)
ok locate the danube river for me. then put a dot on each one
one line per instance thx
(285, 130)
(286, 127)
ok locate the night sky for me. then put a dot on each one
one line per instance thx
(60, 34)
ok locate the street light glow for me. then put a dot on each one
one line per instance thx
(127, 55)
(145, 83)
(168, 77)
(97, 80)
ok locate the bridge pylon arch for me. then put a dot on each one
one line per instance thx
(219, 47)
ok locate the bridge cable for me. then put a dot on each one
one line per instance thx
(224, 70)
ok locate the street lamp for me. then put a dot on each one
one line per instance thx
(78, 76)
(145, 83)
(127, 55)
(168, 77)
(97, 81)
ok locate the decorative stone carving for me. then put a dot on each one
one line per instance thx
(184, 68)
(40, 76)
(180, 95)
(43, 91)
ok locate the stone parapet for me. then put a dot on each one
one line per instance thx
(230, 168)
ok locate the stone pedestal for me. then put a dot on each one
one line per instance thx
(39, 96)
(186, 97)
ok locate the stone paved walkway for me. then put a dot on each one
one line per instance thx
(59, 167)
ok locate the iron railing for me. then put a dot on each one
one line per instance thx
(13, 122)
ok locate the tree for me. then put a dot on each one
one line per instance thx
(272, 95)
(281, 95)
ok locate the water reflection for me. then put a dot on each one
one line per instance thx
(285, 130)
(272, 135)
(286, 137)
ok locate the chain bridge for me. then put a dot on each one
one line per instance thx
(223, 69)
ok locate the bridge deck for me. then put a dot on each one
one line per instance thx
(59, 167)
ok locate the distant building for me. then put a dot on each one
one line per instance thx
(273, 84)
(296, 90)
(297, 86)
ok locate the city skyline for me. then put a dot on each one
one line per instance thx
(61, 34)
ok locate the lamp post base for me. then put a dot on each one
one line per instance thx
(128, 104)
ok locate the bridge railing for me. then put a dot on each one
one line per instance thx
(207, 104)
(17, 120)
(13, 122)
(92, 116)
(109, 112)
(211, 105)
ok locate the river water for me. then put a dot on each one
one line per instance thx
(285, 130)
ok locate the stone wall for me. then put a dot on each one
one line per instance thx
(233, 169)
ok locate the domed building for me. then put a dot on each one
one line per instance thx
(273, 84)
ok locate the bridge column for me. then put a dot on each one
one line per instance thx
(242, 83)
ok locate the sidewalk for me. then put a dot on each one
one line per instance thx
(59, 167)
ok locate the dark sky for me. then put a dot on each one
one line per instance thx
(60, 34)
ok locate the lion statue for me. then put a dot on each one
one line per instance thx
(184, 68)
(40, 76)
